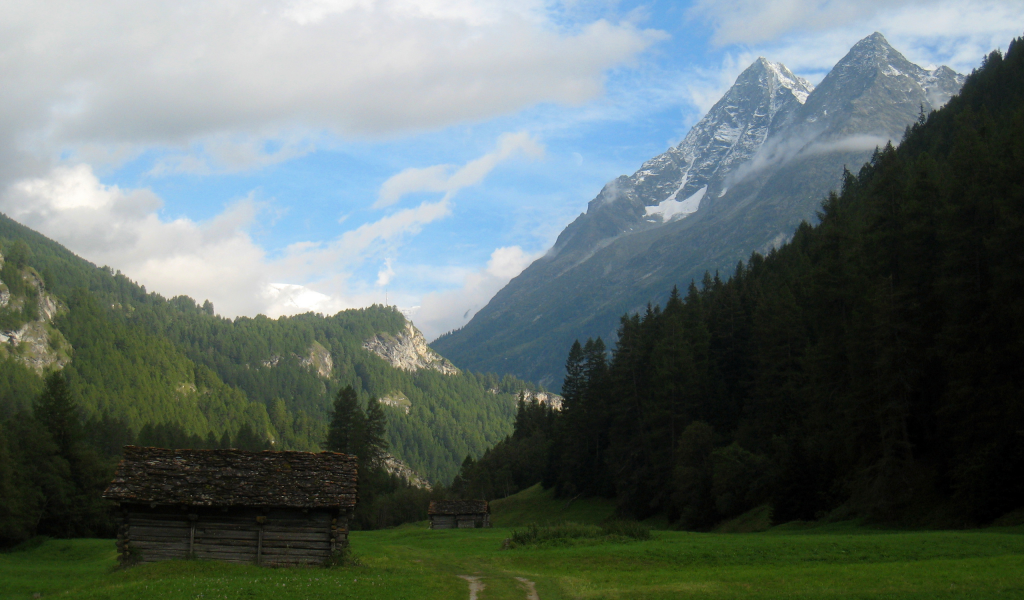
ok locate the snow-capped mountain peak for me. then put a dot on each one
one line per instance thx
(869, 90)
(783, 77)
(762, 99)
(757, 165)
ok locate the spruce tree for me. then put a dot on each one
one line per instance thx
(57, 411)
(348, 424)
(375, 441)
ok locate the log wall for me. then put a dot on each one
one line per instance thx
(472, 521)
(270, 537)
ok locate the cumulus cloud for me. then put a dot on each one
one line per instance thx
(438, 179)
(290, 299)
(443, 311)
(108, 225)
(204, 77)
(218, 259)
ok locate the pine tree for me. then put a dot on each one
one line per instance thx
(57, 411)
(574, 381)
(375, 441)
(348, 424)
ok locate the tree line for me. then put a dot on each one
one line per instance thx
(872, 366)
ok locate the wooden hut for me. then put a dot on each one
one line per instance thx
(459, 514)
(266, 508)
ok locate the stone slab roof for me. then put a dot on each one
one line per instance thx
(235, 478)
(458, 507)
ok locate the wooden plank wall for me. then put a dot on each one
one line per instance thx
(274, 537)
(459, 521)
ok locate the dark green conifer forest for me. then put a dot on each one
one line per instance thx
(873, 366)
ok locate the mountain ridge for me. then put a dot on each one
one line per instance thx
(143, 361)
(618, 256)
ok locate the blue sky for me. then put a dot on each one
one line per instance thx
(284, 156)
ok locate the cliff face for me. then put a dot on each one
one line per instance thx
(397, 467)
(552, 400)
(408, 351)
(319, 360)
(27, 333)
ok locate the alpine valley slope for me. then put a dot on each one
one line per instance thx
(760, 162)
(133, 358)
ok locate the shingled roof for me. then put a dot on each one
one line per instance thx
(458, 507)
(235, 478)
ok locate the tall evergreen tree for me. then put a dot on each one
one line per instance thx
(57, 411)
(347, 428)
(375, 441)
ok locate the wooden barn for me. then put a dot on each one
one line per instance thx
(264, 508)
(459, 514)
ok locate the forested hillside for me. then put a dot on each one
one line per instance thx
(872, 366)
(177, 373)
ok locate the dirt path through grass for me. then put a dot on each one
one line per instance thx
(531, 588)
(475, 585)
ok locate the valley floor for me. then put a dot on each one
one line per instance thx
(837, 561)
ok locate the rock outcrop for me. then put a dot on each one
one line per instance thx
(396, 467)
(552, 400)
(396, 400)
(319, 359)
(36, 344)
(409, 351)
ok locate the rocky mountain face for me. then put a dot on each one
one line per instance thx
(760, 162)
(399, 468)
(27, 333)
(408, 350)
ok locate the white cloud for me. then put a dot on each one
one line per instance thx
(385, 273)
(290, 299)
(217, 78)
(437, 178)
(810, 36)
(215, 260)
(443, 311)
(231, 154)
(752, 22)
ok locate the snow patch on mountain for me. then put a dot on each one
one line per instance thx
(670, 208)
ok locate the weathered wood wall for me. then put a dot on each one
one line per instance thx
(271, 537)
(460, 521)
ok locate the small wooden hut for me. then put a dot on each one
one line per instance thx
(459, 514)
(266, 508)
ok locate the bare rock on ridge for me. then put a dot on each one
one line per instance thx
(409, 351)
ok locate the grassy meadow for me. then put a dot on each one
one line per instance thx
(843, 560)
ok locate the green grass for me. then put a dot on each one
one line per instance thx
(755, 519)
(570, 534)
(836, 561)
(535, 505)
